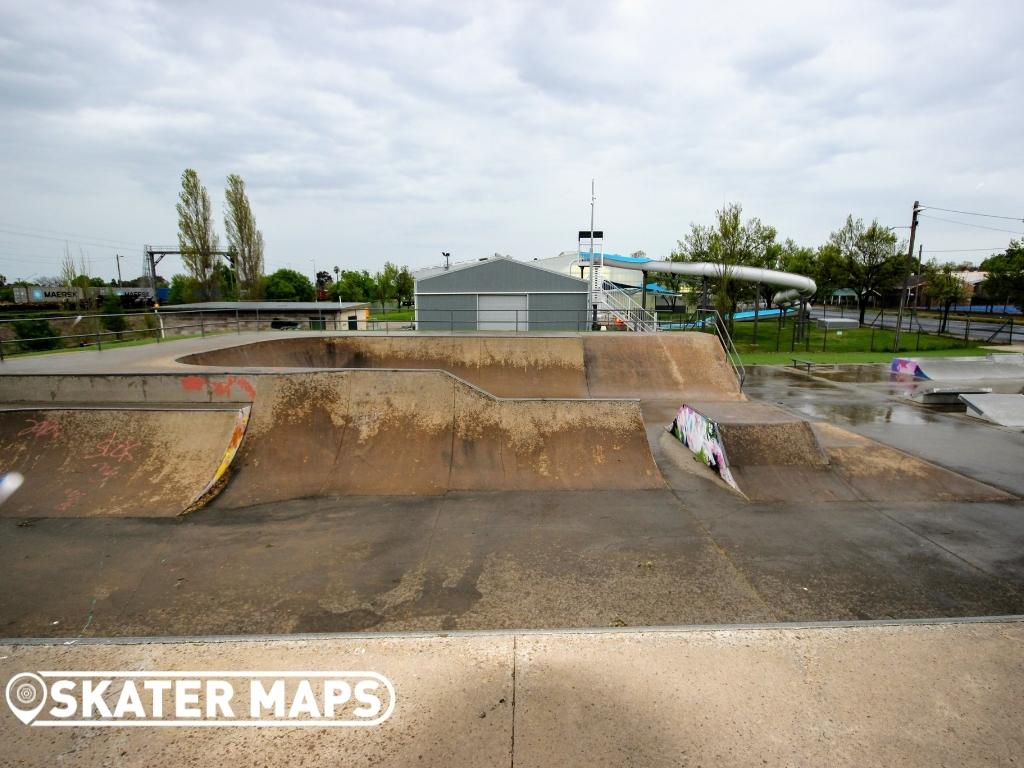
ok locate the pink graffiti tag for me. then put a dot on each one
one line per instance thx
(106, 471)
(111, 448)
(41, 428)
(71, 497)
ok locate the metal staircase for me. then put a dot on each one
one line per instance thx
(617, 303)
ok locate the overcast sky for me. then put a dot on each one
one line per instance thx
(370, 131)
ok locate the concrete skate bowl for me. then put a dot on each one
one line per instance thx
(768, 454)
(656, 366)
(371, 432)
(106, 462)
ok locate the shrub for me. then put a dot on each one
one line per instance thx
(37, 334)
(112, 318)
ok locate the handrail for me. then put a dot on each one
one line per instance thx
(637, 317)
(722, 331)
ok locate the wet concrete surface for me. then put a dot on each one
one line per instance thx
(509, 560)
(692, 553)
(883, 412)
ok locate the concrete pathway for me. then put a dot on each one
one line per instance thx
(858, 695)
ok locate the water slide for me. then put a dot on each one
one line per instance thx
(795, 287)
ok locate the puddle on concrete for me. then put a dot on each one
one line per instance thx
(857, 373)
(868, 413)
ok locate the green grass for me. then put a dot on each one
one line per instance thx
(393, 315)
(771, 339)
(852, 358)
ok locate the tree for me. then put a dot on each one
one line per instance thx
(196, 238)
(405, 286)
(385, 282)
(38, 334)
(353, 286)
(731, 242)
(68, 270)
(869, 258)
(288, 285)
(1005, 279)
(226, 280)
(113, 319)
(243, 238)
(184, 290)
(945, 287)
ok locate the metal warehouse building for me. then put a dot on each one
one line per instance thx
(500, 294)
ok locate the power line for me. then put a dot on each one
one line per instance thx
(968, 224)
(965, 250)
(972, 213)
(66, 235)
(70, 240)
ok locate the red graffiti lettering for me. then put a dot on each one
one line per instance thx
(41, 428)
(112, 448)
(193, 383)
(71, 497)
(106, 471)
(223, 388)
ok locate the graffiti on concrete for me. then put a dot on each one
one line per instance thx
(41, 428)
(904, 366)
(700, 435)
(223, 388)
(237, 433)
(219, 388)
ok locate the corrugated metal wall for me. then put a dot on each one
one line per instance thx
(448, 301)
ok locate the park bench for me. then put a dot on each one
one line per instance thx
(799, 362)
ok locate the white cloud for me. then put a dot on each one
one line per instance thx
(369, 131)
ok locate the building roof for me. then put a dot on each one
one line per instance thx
(973, 277)
(499, 273)
(268, 306)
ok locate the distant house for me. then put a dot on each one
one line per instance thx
(264, 315)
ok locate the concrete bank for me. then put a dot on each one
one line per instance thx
(864, 695)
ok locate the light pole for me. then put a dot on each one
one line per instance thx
(316, 283)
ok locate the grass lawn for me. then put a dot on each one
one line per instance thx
(850, 358)
(393, 315)
(852, 345)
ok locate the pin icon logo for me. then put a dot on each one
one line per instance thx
(26, 696)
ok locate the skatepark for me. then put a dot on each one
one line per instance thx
(502, 502)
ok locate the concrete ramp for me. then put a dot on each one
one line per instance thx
(993, 366)
(1004, 410)
(659, 366)
(767, 454)
(105, 462)
(369, 432)
(506, 366)
(600, 365)
(758, 449)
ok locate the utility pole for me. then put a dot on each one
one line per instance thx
(594, 269)
(906, 276)
(117, 258)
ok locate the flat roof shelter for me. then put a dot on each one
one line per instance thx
(208, 316)
(501, 294)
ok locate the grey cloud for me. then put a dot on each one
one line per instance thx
(403, 124)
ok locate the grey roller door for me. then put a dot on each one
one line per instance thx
(501, 312)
